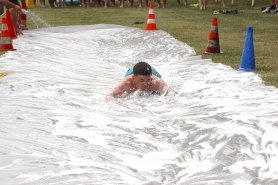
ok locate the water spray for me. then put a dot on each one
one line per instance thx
(36, 19)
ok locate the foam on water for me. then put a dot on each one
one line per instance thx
(57, 128)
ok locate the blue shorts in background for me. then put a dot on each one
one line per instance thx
(154, 71)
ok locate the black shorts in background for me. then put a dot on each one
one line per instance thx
(14, 2)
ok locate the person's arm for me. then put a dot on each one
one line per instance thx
(14, 10)
(163, 87)
(14, 16)
(9, 4)
(117, 91)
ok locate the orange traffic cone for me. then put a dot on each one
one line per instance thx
(6, 41)
(23, 16)
(213, 46)
(151, 19)
(10, 25)
(24, 6)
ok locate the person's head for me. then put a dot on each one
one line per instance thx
(142, 72)
(142, 68)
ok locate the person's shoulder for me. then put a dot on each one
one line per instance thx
(155, 78)
(127, 80)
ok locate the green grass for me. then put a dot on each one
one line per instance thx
(192, 26)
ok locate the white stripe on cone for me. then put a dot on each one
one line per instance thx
(151, 21)
(151, 11)
(4, 27)
(5, 40)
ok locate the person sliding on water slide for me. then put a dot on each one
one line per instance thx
(142, 77)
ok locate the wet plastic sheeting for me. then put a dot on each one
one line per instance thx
(57, 128)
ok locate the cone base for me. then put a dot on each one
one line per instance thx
(207, 53)
(246, 70)
(7, 49)
(151, 27)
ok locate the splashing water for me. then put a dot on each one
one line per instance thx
(39, 22)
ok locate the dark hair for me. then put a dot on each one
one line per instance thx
(142, 68)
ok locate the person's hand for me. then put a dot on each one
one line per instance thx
(111, 98)
(17, 8)
(17, 30)
(22, 27)
(166, 98)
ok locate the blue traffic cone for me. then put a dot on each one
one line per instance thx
(247, 63)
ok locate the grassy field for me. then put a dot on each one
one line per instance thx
(190, 25)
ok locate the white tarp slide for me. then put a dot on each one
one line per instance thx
(57, 128)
